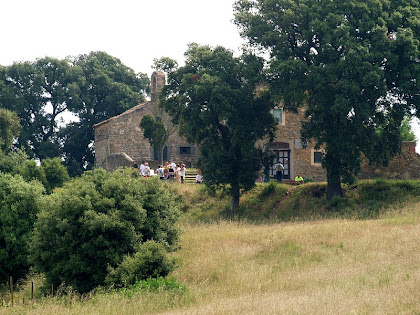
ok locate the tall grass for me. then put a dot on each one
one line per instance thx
(337, 264)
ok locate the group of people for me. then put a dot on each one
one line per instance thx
(169, 171)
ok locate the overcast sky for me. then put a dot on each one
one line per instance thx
(135, 31)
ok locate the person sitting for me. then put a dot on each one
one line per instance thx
(199, 178)
(299, 179)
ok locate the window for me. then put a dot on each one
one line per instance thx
(184, 150)
(317, 157)
(277, 113)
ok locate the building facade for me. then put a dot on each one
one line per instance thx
(296, 158)
(119, 140)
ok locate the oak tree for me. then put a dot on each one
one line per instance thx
(354, 64)
(214, 100)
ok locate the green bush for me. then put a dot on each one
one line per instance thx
(30, 171)
(51, 173)
(94, 221)
(268, 189)
(150, 261)
(18, 209)
(55, 173)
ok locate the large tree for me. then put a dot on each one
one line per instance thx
(108, 89)
(21, 92)
(214, 100)
(354, 64)
(90, 87)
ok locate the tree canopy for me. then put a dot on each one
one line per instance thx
(9, 128)
(90, 88)
(354, 64)
(214, 101)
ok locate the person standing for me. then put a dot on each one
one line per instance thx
(142, 167)
(279, 171)
(171, 170)
(182, 173)
(146, 170)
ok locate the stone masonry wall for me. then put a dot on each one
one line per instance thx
(122, 134)
(300, 157)
(405, 165)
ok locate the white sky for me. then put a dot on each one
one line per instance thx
(135, 31)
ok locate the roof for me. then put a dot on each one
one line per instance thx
(127, 112)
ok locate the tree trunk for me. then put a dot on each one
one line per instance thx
(235, 202)
(333, 183)
(334, 189)
(160, 155)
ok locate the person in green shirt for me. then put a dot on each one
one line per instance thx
(299, 179)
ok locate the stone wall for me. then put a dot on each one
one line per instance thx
(405, 165)
(301, 157)
(122, 134)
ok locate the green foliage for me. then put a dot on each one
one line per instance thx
(55, 173)
(213, 100)
(406, 131)
(160, 284)
(268, 190)
(10, 162)
(154, 130)
(92, 87)
(96, 220)
(18, 210)
(51, 173)
(273, 202)
(150, 261)
(9, 128)
(31, 171)
(107, 88)
(165, 64)
(353, 64)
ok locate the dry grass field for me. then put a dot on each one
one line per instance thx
(336, 266)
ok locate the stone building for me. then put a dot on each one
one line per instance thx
(296, 159)
(287, 148)
(119, 140)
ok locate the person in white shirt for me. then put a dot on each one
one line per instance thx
(199, 178)
(142, 166)
(161, 172)
(182, 173)
(146, 170)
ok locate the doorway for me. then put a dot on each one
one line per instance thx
(282, 156)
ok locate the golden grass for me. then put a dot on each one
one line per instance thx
(322, 267)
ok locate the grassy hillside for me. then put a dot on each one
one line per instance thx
(321, 259)
(272, 202)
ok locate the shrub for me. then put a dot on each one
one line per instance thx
(96, 220)
(18, 209)
(30, 171)
(150, 261)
